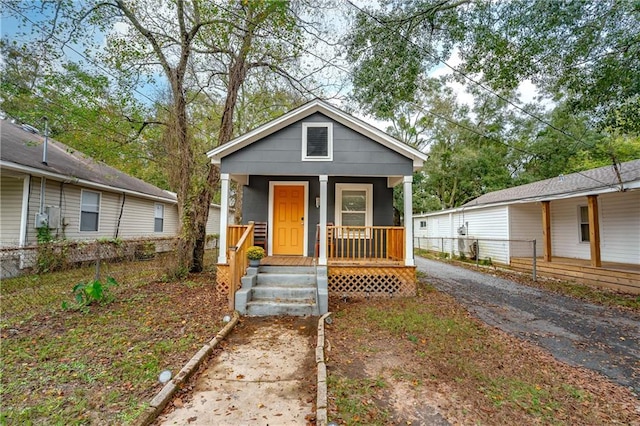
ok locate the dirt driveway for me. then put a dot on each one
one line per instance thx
(603, 339)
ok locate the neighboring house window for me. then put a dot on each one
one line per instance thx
(423, 224)
(317, 141)
(584, 224)
(89, 210)
(158, 222)
(354, 204)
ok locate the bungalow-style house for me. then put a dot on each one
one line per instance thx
(586, 226)
(75, 197)
(320, 183)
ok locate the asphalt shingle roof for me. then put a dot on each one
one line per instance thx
(25, 149)
(589, 180)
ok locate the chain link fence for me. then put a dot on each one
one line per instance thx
(485, 251)
(44, 275)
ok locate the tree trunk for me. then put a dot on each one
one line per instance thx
(237, 75)
(182, 174)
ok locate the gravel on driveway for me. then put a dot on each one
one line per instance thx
(600, 338)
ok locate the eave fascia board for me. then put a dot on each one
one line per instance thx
(80, 182)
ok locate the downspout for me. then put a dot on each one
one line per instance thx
(43, 180)
(60, 219)
(24, 220)
(124, 197)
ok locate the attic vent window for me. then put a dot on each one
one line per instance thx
(317, 141)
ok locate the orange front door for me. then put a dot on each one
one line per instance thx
(288, 220)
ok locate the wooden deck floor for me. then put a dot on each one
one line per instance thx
(288, 261)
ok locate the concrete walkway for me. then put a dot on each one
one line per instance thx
(266, 375)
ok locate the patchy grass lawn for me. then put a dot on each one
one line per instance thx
(102, 366)
(601, 296)
(413, 360)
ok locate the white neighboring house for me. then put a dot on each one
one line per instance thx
(589, 219)
(76, 197)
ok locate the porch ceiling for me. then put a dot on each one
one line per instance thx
(243, 179)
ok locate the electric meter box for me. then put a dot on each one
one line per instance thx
(42, 220)
(53, 213)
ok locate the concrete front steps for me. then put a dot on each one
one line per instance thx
(278, 290)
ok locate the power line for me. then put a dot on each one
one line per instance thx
(467, 77)
(332, 64)
(93, 62)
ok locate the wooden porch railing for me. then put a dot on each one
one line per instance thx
(240, 238)
(365, 242)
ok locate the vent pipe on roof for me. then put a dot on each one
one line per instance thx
(46, 140)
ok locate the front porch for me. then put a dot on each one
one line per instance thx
(299, 175)
(355, 266)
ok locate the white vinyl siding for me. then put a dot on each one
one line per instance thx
(10, 210)
(620, 227)
(89, 211)
(489, 224)
(158, 218)
(619, 218)
(565, 230)
(138, 218)
(525, 223)
(213, 223)
(317, 141)
(52, 198)
(484, 224)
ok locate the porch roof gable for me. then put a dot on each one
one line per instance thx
(330, 111)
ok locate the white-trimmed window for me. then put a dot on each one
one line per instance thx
(423, 224)
(89, 210)
(158, 218)
(317, 141)
(354, 204)
(584, 223)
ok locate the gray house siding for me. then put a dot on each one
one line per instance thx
(255, 203)
(353, 155)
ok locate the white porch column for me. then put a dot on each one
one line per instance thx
(24, 219)
(408, 221)
(224, 217)
(322, 253)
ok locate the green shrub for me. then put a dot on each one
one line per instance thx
(486, 261)
(91, 292)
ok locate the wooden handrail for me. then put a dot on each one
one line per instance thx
(238, 257)
(365, 242)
